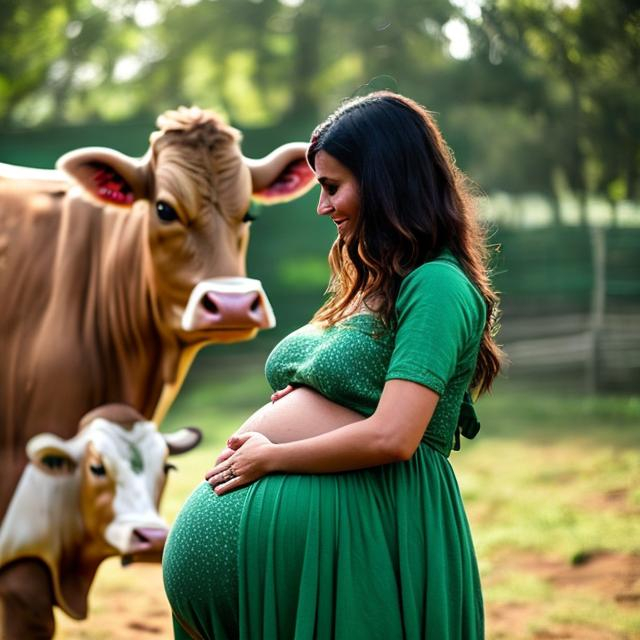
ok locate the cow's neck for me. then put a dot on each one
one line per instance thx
(147, 351)
(43, 521)
(85, 322)
(126, 353)
(76, 574)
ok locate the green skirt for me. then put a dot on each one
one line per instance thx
(380, 553)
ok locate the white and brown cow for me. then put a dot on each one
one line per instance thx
(82, 500)
(111, 282)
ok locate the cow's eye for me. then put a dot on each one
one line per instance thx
(56, 462)
(168, 467)
(166, 212)
(98, 470)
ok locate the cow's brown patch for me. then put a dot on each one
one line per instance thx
(121, 414)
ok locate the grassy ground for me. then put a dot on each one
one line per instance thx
(552, 488)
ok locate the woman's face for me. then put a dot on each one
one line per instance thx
(340, 196)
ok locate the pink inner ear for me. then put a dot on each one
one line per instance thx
(111, 186)
(293, 179)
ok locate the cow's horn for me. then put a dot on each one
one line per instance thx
(183, 440)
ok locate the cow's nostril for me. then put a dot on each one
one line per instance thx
(255, 305)
(209, 304)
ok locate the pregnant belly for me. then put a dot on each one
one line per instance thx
(301, 414)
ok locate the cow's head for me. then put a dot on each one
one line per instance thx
(196, 189)
(120, 463)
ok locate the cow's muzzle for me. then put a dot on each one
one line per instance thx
(228, 304)
(147, 544)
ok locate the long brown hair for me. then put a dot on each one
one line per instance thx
(414, 203)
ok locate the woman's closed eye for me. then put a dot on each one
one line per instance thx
(331, 189)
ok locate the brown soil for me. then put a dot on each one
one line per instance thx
(137, 611)
(618, 500)
(610, 577)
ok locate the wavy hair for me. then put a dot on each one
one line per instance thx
(414, 203)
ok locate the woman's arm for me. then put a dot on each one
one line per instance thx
(391, 434)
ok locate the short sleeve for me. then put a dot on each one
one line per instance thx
(440, 317)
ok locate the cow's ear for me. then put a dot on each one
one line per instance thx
(107, 175)
(51, 454)
(282, 175)
(183, 440)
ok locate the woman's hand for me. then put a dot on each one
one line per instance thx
(226, 453)
(281, 393)
(251, 458)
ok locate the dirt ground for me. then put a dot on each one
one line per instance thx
(121, 610)
(607, 577)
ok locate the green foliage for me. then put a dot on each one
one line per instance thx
(546, 99)
(304, 273)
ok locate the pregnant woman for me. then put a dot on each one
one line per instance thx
(334, 513)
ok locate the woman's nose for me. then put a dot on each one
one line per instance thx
(324, 205)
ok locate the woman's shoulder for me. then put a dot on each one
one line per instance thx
(441, 280)
(441, 272)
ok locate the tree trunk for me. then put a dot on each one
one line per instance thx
(307, 37)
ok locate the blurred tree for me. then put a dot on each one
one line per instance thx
(576, 65)
(546, 93)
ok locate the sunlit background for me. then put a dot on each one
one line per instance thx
(539, 101)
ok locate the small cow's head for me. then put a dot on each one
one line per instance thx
(195, 188)
(121, 463)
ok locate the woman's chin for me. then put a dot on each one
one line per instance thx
(343, 231)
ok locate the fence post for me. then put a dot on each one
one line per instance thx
(598, 301)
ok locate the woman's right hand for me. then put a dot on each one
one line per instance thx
(281, 393)
(253, 458)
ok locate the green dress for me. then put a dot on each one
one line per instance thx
(384, 552)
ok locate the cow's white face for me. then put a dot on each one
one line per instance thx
(121, 474)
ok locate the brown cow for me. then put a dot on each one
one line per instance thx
(96, 280)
